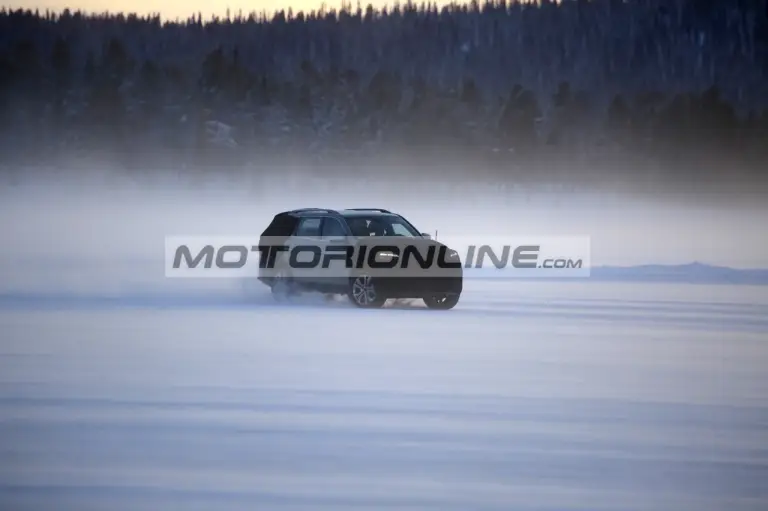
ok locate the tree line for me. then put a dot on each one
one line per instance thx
(514, 86)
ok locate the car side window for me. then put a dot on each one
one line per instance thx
(400, 230)
(309, 227)
(332, 228)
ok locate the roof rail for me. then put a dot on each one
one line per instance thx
(370, 209)
(304, 210)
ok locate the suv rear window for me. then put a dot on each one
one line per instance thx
(281, 225)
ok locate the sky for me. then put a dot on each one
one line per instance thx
(183, 8)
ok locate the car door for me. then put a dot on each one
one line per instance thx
(334, 232)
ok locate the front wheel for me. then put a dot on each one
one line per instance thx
(442, 302)
(363, 293)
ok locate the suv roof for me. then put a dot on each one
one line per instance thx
(286, 221)
(349, 212)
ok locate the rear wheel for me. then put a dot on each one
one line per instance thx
(362, 293)
(442, 302)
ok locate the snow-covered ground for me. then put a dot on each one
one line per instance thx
(123, 390)
(547, 396)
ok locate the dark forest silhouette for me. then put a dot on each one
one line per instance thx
(651, 84)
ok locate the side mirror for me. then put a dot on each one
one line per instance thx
(426, 235)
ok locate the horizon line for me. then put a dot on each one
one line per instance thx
(264, 14)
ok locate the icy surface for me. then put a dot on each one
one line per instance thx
(543, 396)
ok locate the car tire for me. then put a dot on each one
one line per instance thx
(442, 302)
(362, 293)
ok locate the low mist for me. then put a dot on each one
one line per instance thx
(102, 231)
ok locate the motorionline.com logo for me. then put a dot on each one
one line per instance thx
(397, 256)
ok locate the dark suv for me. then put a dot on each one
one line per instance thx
(355, 227)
